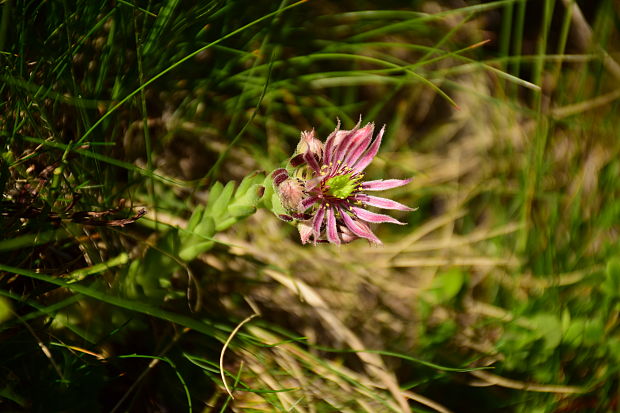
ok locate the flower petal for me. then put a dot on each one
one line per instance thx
(351, 141)
(358, 228)
(297, 160)
(346, 235)
(300, 216)
(339, 142)
(279, 175)
(381, 202)
(317, 222)
(309, 142)
(332, 230)
(383, 184)
(329, 143)
(308, 202)
(311, 161)
(312, 183)
(305, 231)
(373, 217)
(359, 144)
(369, 155)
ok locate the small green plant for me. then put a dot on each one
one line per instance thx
(149, 276)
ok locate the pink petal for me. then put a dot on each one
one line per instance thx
(279, 176)
(332, 230)
(338, 143)
(383, 184)
(372, 217)
(381, 202)
(317, 222)
(305, 231)
(359, 145)
(370, 154)
(308, 202)
(358, 228)
(301, 216)
(297, 160)
(312, 183)
(351, 142)
(329, 143)
(346, 235)
(311, 161)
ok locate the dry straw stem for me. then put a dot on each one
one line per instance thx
(426, 402)
(390, 251)
(488, 310)
(335, 372)
(228, 340)
(454, 262)
(288, 363)
(259, 369)
(576, 108)
(288, 355)
(84, 351)
(412, 244)
(540, 282)
(373, 362)
(495, 380)
(457, 241)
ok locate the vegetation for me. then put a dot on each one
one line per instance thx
(142, 266)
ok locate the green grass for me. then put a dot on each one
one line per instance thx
(501, 294)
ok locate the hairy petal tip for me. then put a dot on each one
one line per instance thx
(383, 184)
(381, 202)
(373, 217)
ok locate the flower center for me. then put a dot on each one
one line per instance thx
(342, 186)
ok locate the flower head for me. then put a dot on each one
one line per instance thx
(309, 142)
(332, 189)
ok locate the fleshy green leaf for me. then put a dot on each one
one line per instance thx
(239, 211)
(195, 244)
(220, 205)
(214, 194)
(249, 199)
(206, 228)
(446, 285)
(250, 180)
(225, 224)
(196, 218)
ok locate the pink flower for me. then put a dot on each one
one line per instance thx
(329, 200)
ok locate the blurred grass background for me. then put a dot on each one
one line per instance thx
(500, 295)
